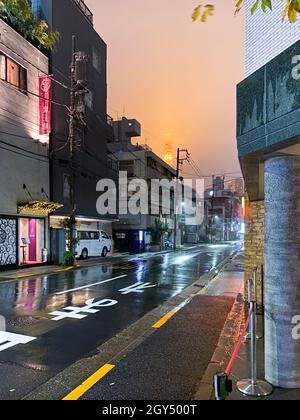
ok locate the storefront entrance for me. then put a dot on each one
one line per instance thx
(31, 240)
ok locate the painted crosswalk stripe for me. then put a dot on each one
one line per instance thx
(89, 383)
(90, 285)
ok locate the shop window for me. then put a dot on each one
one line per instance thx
(12, 73)
(127, 166)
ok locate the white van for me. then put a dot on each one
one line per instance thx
(93, 244)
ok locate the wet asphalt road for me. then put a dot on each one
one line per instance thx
(26, 305)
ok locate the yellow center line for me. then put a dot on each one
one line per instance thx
(89, 383)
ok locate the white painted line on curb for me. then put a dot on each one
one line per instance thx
(90, 285)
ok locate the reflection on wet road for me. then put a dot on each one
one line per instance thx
(48, 322)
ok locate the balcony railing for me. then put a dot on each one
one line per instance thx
(85, 10)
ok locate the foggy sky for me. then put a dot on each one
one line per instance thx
(176, 77)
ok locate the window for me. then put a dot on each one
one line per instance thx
(97, 60)
(83, 236)
(104, 235)
(12, 73)
(95, 236)
(127, 166)
(89, 100)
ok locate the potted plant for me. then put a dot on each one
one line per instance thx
(69, 226)
(157, 232)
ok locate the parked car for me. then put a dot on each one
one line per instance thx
(93, 244)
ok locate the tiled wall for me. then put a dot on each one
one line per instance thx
(267, 36)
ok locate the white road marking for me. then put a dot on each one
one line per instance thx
(74, 312)
(90, 285)
(137, 288)
(8, 340)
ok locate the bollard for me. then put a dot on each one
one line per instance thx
(222, 386)
(253, 387)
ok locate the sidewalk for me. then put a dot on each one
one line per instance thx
(170, 364)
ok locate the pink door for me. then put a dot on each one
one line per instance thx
(32, 237)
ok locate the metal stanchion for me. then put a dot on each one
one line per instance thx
(253, 387)
(248, 336)
(258, 335)
(252, 285)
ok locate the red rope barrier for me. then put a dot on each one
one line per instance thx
(238, 346)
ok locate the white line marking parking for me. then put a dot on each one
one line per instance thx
(90, 285)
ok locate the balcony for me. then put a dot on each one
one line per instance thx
(85, 10)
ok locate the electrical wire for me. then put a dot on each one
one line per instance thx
(35, 155)
(36, 95)
(38, 68)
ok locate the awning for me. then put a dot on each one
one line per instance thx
(38, 208)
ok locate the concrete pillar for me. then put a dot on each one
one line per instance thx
(282, 270)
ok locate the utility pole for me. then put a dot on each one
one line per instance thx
(72, 124)
(179, 162)
(76, 116)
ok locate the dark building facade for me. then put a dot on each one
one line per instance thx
(73, 18)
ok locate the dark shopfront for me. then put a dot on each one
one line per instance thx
(23, 241)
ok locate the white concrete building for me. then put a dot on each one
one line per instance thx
(267, 36)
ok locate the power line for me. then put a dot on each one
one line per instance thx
(34, 157)
(13, 122)
(16, 115)
(16, 135)
(36, 67)
(36, 95)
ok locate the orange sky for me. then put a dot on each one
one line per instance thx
(175, 76)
